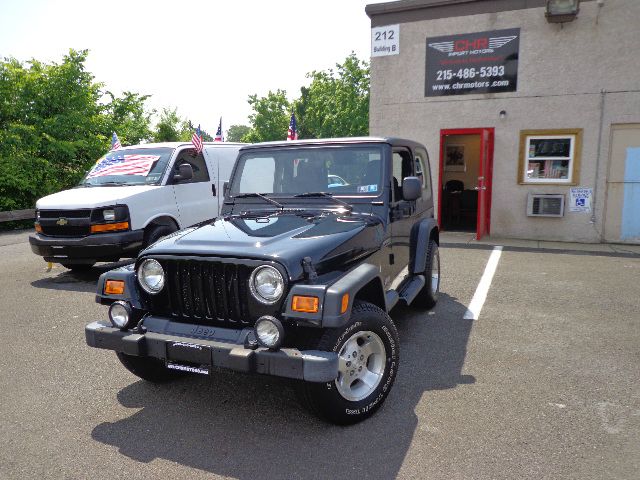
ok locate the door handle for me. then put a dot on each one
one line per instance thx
(213, 189)
(479, 188)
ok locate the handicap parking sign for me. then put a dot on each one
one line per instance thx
(580, 199)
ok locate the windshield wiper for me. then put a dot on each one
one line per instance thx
(110, 184)
(324, 195)
(260, 195)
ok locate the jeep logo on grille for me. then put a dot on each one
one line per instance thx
(62, 222)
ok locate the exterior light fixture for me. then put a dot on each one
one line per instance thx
(561, 11)
(503, 114)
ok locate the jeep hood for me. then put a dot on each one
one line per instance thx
(331, 240)
(92, 197)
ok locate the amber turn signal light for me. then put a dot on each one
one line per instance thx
(109, 227)
(114, 287)
(38, 228)
(304, 304)
(345, 303)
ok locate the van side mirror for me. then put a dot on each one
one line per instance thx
(225, 188)
(185, 172)
(411, 188)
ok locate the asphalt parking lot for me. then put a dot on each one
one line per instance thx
(544, 384)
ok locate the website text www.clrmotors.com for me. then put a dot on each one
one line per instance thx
(468, 85)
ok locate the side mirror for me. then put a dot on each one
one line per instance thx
(185, 172)
(411, 188)
(225, 188)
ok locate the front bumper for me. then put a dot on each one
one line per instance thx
(88, 249)
(201, 346)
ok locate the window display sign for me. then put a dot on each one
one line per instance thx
(484, 62)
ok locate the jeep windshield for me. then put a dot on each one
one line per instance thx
(131, 166)
(347, 171)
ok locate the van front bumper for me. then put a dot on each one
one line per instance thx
(87, 249)
(182, 347)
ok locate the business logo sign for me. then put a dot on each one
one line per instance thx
(484, 62)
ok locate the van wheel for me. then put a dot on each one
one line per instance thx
(428, 296)
(368, 350)
(155, 233)
(78, 267)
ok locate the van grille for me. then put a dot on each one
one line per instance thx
(65, 223)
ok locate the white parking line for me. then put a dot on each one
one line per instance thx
(473, 311)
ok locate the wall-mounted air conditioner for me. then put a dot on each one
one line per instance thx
(541, 205)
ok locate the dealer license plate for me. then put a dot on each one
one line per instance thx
(200, 369)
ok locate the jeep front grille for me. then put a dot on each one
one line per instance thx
(204, 292)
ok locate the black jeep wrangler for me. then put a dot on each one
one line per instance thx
(316, 243)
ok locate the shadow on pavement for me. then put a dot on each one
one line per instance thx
(78, 281)
(250, 426)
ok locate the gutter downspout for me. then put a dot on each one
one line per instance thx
(603, 93)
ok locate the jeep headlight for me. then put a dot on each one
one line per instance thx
(151, 276)
(266, 284)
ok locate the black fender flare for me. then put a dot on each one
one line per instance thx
(126, 274)
(352, 283)
(363, 278)
(421, 233)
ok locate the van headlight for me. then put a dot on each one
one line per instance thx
(266, 284)
(151, 276)
(109, 215)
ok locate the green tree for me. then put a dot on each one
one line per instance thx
(169, 127)
(128, 118)
(336, 103)
(237, 132)
(270, 117)
(52, 127)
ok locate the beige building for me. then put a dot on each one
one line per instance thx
(531, 115)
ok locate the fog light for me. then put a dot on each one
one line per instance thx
(269, 332)
(120, 314)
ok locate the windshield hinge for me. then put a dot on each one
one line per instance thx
(309, 272)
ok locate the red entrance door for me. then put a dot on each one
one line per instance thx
(483, 181)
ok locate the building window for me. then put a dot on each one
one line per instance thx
(549, 156)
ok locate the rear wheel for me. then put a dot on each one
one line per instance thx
(428, 296)
(150, 369)
(368, 356)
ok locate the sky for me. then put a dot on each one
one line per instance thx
(202, 57)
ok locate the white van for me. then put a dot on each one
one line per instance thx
(130, 198)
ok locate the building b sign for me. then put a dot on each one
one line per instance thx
(484, 62)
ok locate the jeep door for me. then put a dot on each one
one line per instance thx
(195, 198)
(402, 213)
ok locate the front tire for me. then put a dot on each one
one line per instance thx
(368, 349)
(149, 369)
(155, 233)
(428, 296)
(78, 267)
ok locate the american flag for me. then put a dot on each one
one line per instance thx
(121, 164)
(196, 139)
(115, 143)
(219, 133)
(292, 134)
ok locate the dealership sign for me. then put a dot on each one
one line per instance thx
(484, 62)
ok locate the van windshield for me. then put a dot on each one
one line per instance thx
(131, 166)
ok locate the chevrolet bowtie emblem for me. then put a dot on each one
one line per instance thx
(62, 221)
